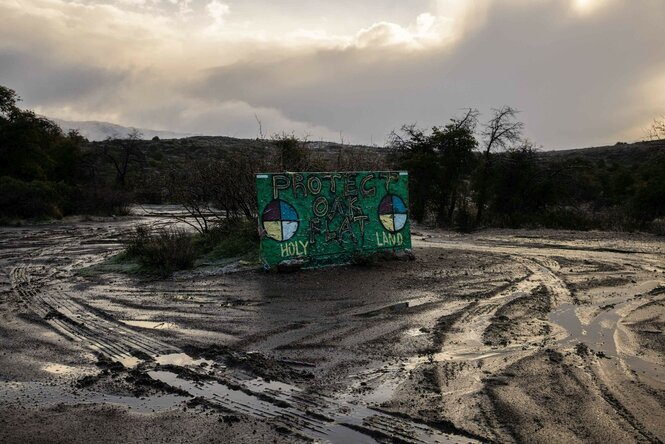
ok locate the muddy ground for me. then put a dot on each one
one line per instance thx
(526, 336)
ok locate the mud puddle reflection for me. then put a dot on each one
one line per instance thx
(312, 415)
(153, 325)
(40, 394)
(601, 334)
(598, 335)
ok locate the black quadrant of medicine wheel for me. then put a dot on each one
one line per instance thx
(280, 220)
(392, 205)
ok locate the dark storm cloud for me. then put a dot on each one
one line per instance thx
(42, 81)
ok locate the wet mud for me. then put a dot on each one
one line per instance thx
(506, 336)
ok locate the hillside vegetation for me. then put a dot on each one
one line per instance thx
(465, 174)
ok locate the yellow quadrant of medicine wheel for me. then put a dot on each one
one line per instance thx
(274, 229)
(387, 221)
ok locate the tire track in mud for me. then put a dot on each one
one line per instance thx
(624, 379)
(315, 416)
(466, 322)
(72, 319)
(75, 321)
(460, 344)
(611, 379)
(464, 340)
(308, 414)
(462, 359)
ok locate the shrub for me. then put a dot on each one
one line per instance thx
(231, 239)
(162, 250)
(103, 201)
(464, 219)
(658, 227)
(34, 199)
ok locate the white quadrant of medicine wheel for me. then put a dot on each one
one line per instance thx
(288, 229)
(400, 221)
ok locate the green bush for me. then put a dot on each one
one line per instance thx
(231, 239)
(165, 250)
(162, 250)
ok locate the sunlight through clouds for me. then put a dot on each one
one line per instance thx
(584, 7)
(218, 12)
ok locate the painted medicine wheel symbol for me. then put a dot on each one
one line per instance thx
(392, 213)
(280, 220)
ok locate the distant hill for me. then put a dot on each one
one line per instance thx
(176, 146)
(625, 154)
(202, 147)
(96, 131)
(164, 154)
(620, 153)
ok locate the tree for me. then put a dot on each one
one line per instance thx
(292, 153)
(454, 144)
(8, 99)
(33, 147)
(124, 152)
(657, 129)
(438, 163)
(215, 191)
(520, 186)
(502, 130)
(38, 162)
(414, 152)
(193, 188)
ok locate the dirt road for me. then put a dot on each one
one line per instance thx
(528, 336)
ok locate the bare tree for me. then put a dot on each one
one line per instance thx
(215, 191)
(258, 121)
(501, 131)
(122, 153)
(192, 188)
(657, 129)
(468, 121)
(412, 138)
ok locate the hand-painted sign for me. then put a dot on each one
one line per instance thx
(317, 219)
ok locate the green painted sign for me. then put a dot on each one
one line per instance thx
(318, 219)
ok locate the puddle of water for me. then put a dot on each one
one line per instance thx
(391, 376)
(306, 411)
(42, 394)
(181, 359)
(415, 332)
(59, 369)
(127, 361)
(598, 335)
(158, 325)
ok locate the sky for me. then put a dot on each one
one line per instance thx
(582, 72)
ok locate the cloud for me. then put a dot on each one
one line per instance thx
(585, 7)
(582, 72)
(427, 30)
(51, 82)
(218, 12)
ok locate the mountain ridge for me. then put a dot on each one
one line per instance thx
(96, 131)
